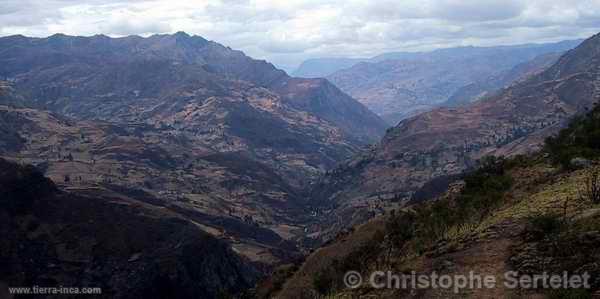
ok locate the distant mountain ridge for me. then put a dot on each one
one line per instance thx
(398, 88)
(486, 87)
(398, 85)
(446, 141)
(323, 67)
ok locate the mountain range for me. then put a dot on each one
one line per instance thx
(399, 85)
(507, 184)
(183, 123)
(171, 164)
(447, 141)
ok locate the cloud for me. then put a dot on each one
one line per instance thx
(477, 10)
(287, 32)
(135, 27)
(285, 46)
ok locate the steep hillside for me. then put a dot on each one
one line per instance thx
(321, 98)
(397, 86)
(322, 67)
(530, 214)
(127, 248)
(487, 87)
(539, 225)
(182, 122)
(447, 141)
(232, 196)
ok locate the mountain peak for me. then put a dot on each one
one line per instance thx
(181, 34)
(581, 59)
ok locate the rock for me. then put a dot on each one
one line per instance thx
(134, 257)
(580, 163)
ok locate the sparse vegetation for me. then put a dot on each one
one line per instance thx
(551, 229)
(545, 225)
(482, 193)
(275, 281)
(581, 139)
(324, 282)
(426, 224)
(330, 278)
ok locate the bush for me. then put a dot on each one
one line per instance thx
(556, 232)
(591, 189)
(483, 191)
(545, 225)
(434, 188)
(400, 227)
(324, 282)
(580, 139)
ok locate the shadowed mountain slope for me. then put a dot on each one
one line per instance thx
(127, 248)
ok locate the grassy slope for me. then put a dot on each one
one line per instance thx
(487, 246)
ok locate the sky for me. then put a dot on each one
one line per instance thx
(286, 32)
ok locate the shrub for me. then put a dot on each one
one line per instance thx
(400, 227)
(434, 188)
(580, 139)
(324, 281)
(591, 188)
(556, 231)
(484, 189)
(545, 225)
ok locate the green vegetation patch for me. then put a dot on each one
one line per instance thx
(581, 139)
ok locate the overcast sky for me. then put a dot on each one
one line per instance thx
(288, 31)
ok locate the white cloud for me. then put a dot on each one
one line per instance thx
(286, 32)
